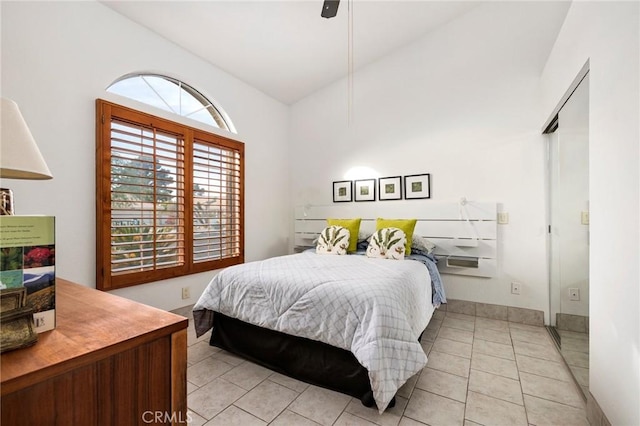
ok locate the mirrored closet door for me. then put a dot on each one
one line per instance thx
(569, 232)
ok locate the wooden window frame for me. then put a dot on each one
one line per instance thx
(105, 279)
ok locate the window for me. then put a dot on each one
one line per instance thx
(170, 198)
(170, 95)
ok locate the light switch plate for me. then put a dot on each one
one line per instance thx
(584, 218)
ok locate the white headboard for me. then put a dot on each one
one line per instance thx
(465, 233)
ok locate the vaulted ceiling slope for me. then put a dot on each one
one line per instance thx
(285, 48)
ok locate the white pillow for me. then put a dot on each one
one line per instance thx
(422, 244)
(387, 243)
(333, 240)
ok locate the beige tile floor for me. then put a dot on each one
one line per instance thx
(480, 372)
(575, 349)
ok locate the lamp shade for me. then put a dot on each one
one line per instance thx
(20, 157)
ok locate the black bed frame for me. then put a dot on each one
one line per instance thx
(308, 360)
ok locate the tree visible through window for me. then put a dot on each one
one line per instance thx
(169, 198)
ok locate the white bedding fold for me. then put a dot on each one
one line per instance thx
(375, 308)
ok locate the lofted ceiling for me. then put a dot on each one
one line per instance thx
(285, 48)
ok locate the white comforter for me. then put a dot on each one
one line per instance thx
(375, 308)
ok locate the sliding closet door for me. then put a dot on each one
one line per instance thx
(569, 213)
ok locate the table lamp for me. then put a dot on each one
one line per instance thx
(20, 157)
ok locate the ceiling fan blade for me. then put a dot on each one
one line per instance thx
(330, 8)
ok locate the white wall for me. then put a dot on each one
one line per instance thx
(607, 34)
(460, 104)
(57, 58)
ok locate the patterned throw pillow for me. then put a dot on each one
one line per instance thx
(387, 243)
(352, 225)
(407, 226)
(333, 240)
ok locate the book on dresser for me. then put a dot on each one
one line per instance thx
(27, 268)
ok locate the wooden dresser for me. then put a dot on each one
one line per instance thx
(109, 361)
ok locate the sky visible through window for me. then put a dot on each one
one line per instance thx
(170, 95)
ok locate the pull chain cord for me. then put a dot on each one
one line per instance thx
(349, 61)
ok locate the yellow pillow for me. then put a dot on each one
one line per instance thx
(353, 225)
(407, 226)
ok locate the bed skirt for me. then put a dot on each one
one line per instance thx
(307, 360)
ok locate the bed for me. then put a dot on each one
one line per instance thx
(348, 323)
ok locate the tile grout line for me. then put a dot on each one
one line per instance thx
(466, 395)
(524, 403)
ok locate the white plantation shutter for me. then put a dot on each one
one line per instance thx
(169, 199)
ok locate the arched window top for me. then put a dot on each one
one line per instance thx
(173, 95)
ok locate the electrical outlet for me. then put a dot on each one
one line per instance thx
(574, 294)
(515, 288)
(503, 218)
(186, 293)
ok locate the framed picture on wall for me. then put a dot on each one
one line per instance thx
(390, 188)
(417, 186)
(342, 191)
(365, 190)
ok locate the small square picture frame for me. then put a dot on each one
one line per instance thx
(417, 186)
(342, 191)
(390, 188)
(365, 190)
